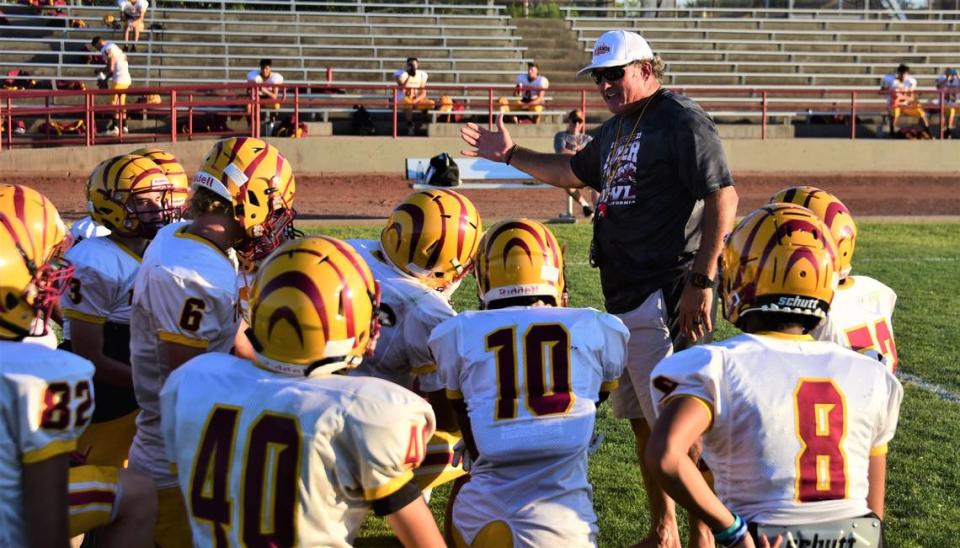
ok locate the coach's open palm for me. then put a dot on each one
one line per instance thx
(487, 144)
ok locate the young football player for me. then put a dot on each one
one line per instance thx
(525, 375)
(282, 451)
(861, 314)
(795, 430)
(186, 291)
(425, 250)
(48, 400)
(131, 196)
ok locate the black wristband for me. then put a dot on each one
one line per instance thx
(510, 153)
(398, 500)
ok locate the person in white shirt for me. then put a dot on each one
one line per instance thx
(795, 430)
(413, 82)
(133, 12)
(900, 88)
(532, 89)
(270, 96)
(118, 76)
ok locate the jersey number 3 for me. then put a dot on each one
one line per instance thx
(821, 426)
(270, 468)
(539, 341)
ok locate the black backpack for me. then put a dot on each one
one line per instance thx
(443, 171)
(362, 122)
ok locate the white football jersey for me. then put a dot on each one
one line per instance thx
(861, 318)
(530, 378)
(101, 289)
(185, 293)
(794, 423)
(121, 71)
(134, 9)
(317, 449)
(408, 313)
(540, 83)
(46, 399)
(87, 228)
(412, 84)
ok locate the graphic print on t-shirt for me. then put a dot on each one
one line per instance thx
(620, 168)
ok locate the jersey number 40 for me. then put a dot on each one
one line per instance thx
(271, 460)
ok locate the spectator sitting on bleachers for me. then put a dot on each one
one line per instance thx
(413, 81)
(532, 89)
(266, 76)
(133, 12)
(949, 84)
(569, 142)
(901, 100)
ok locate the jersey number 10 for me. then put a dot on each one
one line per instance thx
(271, 457)
(540, 399)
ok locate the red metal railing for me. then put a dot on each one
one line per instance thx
(205, 110)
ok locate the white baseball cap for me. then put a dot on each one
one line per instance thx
(616, 48)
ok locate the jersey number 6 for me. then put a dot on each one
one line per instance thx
(540, 399)
(271, 461)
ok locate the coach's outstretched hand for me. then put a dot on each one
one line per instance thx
(487, 144)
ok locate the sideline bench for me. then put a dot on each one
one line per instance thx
(481, 169)
(475, 169)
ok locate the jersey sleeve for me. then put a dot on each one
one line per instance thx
(612, 354)
(889, 416)
(186, 311)
(695, 373)
(382, 441)
(90, 296)
(444, 348)
(50, 411)
(429, 314)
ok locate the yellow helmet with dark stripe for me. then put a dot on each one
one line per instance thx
(519, 258)
(171, 167)
(131, 195)
(833, 213)
(779, 258)
(433, 236)
(33, 272)
(258, 181)
(314, 307)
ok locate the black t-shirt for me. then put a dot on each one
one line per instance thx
(652, 185)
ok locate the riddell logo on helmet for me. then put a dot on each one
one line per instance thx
(515, 291)
(601, 49)
(797, 302)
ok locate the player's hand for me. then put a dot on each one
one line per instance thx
(461, 456)
(487, 144)
(695, 309)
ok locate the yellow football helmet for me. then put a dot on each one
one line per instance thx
(833, 213)
(433, 236)
(114, 190)
(315, 306)
(172, 168)
(33, 272)
(779, 258)
(519, 258)
(259, 183)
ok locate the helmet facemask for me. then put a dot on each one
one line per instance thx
(151, 218)
(49, 281)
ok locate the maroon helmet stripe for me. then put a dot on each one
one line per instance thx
(516, 242)
(438, 245)
(20, 210)
(285, 313)
(462, 224)
(82, 498)
(5, 221)
(237, 145)
(514, 225)
(789, 195)
(833, 210)
(803, 254)
(250, 169)
(748, 243)
(346, 299)
(365, 274)
(416, 218)
(306, 286)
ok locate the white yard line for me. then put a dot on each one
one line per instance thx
(927, 386)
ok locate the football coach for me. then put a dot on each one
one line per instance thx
(666, 203)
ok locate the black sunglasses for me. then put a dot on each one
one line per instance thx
(612, 74)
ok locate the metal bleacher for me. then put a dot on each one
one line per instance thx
(352, 41)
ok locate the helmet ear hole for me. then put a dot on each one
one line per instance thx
(11, 301)
(252, 199)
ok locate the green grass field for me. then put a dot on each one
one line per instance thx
(921, 262)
